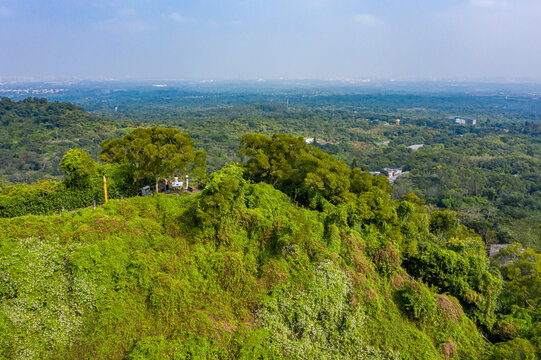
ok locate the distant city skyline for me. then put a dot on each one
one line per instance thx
(459, 40)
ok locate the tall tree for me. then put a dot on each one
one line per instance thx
(78, 166)
(294, 167)
(156, 152)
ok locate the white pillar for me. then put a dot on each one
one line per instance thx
(186, 182)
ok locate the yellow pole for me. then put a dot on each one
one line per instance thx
(105, 189)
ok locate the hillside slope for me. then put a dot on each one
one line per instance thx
(239, 271)
(35, 134)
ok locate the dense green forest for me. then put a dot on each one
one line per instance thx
(288, 254)
(35, 134)
(488, 173)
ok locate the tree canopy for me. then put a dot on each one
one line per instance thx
(294, 167)
(78, 166)
(156, 152)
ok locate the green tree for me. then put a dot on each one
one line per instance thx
(444, 223)
(522, 273)
(298, 169)
(78, 166)
(155, 152)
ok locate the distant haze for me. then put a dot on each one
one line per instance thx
(251, 39)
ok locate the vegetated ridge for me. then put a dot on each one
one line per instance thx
(289, 254)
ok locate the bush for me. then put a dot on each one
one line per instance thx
(42, 302)
(49, 197)
(159, 348)
(318, 323)
(516, 349)
(418, 301)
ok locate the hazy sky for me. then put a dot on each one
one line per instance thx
(251, 39)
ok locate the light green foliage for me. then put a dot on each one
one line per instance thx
(221, 197)
(372, 197)
(516, 349)
(462, 272)
(42, 302)
(159, 348)
(418, 301)
(240, 271)
(78, 166)
(362, 181)
(453, 260)
(172, 288)
(199, 164)
(48, 197)
(318, 322)
(159, 283)
(488, 176)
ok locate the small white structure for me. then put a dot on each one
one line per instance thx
(186, 182)
(415, 146)
(374, 172)
(464, 121)
(385, 143)
(309, 140)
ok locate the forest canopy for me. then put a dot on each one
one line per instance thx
(291, 250)
(287, 254)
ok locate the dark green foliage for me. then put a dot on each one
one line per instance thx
(522, 272)
(35, 134)
(361, 182)
(444, 223)
(520, 315)
(294, 167)
(158, 152)
(186, 277)
(487, 173)
(462, 272)
(221, 198)
(48, 197)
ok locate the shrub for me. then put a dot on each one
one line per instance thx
(418, 301)
(42, 303)
(318, 323)
(516, 349)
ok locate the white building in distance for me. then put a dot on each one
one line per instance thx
(465, 121)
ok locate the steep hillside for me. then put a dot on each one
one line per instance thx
(239, 271)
